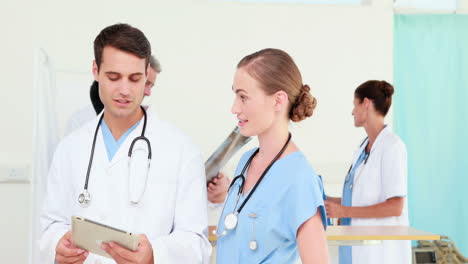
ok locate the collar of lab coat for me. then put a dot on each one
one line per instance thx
(378, 141)
(123, 150)
(149, 113)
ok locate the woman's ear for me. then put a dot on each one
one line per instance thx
(281, 100)
(367, 103)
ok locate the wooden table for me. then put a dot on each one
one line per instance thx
(369, 235)
(364, 235)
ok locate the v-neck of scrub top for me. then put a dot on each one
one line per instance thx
(244, 195)
(271, 221)
(112, 145)
(345, 252)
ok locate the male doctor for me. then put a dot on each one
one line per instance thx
(84, 115)
(165, 202)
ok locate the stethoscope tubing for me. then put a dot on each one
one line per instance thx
(91, 158)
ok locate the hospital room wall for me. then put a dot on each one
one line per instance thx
(16, 136)
(198, 44)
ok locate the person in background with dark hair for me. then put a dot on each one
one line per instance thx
(127, 169)
(375, 189)
(274, 209)
(94, 96)
(82, 116)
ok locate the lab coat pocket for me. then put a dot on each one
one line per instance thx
(159, 219)
(367, 189)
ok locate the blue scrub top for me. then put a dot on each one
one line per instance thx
(112, 145)
(288, 196)
(345, 256)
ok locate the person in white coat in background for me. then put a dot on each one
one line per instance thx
(88, 113)
(375, 189)
(164, 202)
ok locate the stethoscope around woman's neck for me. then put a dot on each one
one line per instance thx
(84, 198)
(367, 155)
(366, 141)
(231, 219)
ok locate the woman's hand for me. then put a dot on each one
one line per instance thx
(335, 210)
(218, 188)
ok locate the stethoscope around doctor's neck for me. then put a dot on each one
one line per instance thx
(84, 198)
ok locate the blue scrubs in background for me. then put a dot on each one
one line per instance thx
(347, 200)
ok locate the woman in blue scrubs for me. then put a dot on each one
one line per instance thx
(274, 210)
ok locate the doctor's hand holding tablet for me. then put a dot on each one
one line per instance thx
(66, 252)
(142, 255)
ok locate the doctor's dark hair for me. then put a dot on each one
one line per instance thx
(276, 71)
(125, 38)
(379, 92)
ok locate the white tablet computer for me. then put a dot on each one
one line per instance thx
(89, 235)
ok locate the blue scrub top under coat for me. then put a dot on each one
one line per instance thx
(288, 196)
(345, 256)
(112, 146)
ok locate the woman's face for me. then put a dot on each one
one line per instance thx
(255, 110)
(360, 111)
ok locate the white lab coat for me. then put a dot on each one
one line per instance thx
(79, 119)
(383, 177)
(172, 212)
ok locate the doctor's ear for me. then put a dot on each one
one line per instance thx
(281, 100)
(95, 71)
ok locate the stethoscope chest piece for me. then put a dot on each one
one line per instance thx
(84, 199)
(230, 221)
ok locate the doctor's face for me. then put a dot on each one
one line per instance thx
(360, 112)
(252, 106)
(121, 78)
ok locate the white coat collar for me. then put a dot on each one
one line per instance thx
(122, 152)
(149, 112)
(381, 137)
(378, 141)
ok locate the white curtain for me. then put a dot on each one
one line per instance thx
(45, 139)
